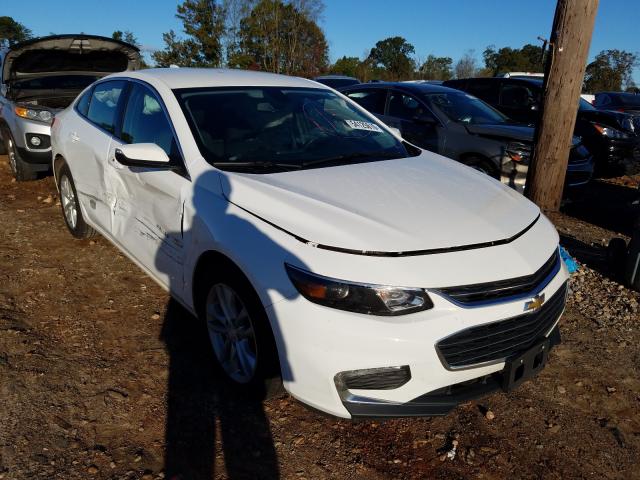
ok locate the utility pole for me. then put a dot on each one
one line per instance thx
(564, 74)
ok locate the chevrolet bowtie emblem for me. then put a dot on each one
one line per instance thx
(535, 303)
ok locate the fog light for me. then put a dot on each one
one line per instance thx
(35, 141)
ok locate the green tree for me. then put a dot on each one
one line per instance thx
(282, 38)
(392, 58)
(466, 66)
(346, 66)
(610, 70)
(12, 32)
(204, 25)
(125, 36)
(529, 58)
(436, 68)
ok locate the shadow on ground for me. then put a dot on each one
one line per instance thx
(202, 407)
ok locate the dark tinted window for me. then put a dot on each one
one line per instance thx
(145, 122)
(628, 99)
(404, 106)
(338, 82)
(464, 108)
(602, 99)
(517, 96)
(103, 108)
(83, 103)
(486, 90)
(371, 100)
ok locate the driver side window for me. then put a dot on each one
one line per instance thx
(145, 122)
(405, 107)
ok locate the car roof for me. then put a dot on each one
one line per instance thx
(175, 78)
(335, 77)
(409, 87)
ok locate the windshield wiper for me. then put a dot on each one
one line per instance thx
(263, 165)
(340, 159)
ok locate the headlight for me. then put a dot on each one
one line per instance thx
(358, 297)
(609, 132)
(32, 114)
(518, 152)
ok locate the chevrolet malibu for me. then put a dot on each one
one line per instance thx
(323, 252)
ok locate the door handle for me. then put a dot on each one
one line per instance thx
(74, 136)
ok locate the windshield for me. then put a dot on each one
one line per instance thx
(584, 105)
(464, 108)
(283, 128)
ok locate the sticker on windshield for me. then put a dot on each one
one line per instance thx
(358, 125)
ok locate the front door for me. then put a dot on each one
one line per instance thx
(146, 204)
(414, 120)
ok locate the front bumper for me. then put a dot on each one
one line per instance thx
(435, 403)
(318, 343)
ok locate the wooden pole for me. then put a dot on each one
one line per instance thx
(564, 74)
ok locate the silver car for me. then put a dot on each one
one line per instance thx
(42, 76)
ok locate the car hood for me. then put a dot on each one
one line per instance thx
(79, 54)
(395, 206)
(507, 131)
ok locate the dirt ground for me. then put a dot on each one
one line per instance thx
(102, 376)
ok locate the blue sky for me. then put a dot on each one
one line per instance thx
(352, 27)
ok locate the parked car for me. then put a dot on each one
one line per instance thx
(620, 102)
(462, 127)
(337, 81)
(39, 77)
(609, 136)
(371, 277)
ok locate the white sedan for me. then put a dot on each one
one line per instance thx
(324, 253)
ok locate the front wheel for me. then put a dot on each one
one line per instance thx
(21, 170)
(241, 337)
(71, 206)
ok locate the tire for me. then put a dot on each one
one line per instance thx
(71, 211)
(21, 170)
(243, 345)
(482, 165)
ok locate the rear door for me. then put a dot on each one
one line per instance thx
(89, 136)
(146, 204)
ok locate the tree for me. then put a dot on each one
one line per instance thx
(393, 56)
(125, 36)
(346, 66)
(466, 66)
(13, 32)
(436, 68)
(282, 38)
(204, 25)
(611, 70)
(529, 58)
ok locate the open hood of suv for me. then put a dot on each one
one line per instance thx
(396, 207)
(65, 54)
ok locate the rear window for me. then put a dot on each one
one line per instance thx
(83, 104)
(103, 108)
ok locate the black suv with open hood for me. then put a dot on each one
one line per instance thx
(42, 76)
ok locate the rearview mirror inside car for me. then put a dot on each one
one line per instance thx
(142, 155)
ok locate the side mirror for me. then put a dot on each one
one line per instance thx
(147, 155)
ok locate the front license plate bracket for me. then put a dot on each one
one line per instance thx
(521, 368)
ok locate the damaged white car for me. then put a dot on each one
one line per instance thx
(324, 253)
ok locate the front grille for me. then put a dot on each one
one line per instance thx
(491, 291)
(499, 340)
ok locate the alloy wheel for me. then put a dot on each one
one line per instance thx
(231, 333)
(69, 205)
(12, 156)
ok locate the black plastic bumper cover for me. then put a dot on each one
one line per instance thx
(436, 403)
